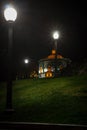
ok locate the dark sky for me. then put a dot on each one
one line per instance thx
(36, 21)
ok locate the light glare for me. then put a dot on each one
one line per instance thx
(10, 14)
(26, 61)
(56, 35)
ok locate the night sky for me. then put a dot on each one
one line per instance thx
(36, 21)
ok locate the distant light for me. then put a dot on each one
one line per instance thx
(56, 35)
(26, 61)
(10, 14)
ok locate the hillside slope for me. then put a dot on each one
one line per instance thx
(59, 100)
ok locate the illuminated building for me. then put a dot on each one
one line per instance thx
(47, 65)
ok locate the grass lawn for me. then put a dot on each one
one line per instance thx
(58, 100)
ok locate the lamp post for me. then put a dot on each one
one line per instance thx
(56, 37)
(10, 15)
(26, 61)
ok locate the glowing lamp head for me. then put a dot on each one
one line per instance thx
(55, 35)
(10, 14)
(26, 61)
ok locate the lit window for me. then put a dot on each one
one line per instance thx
(45, 69)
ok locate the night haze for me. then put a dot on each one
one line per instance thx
(34, 26)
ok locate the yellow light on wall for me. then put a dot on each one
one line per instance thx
(49, 75)
(53, 52)
(40, 70)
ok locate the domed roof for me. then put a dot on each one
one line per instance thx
(52, 56)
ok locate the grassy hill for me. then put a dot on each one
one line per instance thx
(58, 100)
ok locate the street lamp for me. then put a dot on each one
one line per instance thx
(10, 15)
(56, 37)
(26, 61)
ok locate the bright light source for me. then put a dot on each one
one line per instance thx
(40, 70)
(56, 35)
(10, 14)
(45, 69)
(26, 61)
